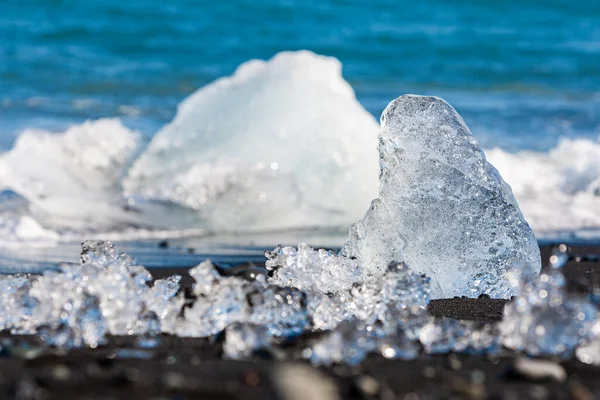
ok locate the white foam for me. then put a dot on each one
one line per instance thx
(72, 179)
(558, 191)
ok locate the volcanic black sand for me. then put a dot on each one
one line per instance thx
(193, 369)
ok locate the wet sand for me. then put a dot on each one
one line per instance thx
(193, 369)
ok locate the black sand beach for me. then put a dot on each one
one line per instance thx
(193, 368)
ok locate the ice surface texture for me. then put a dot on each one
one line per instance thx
(442, 208)
(279, 142)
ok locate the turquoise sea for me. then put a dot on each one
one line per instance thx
(522, 73)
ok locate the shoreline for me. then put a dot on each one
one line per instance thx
(193, 368)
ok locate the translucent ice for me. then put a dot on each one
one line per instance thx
(78, 304)
(399, 346)
(338, 289)
(349, 344)
(545, 319)
(306, 268)
(589, 351)
(442, 208)
(15, 302)
(241, 340)
(223, 301)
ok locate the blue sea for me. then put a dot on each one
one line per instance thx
(525, 76)
(522, 73)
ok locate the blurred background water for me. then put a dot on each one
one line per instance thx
(522, 73)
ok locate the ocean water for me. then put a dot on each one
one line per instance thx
(522, 73)
(525, 75)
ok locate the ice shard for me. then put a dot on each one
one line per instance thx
(442, 208)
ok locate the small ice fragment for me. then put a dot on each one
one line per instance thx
(281, 310)
(242, 339)
(399, 346)
(206, 277)
(98, 253)
(15, 302)
(308, 269)
(439, 335)
(90, 323)
(442, 208)
(477, 339)
(589, 353)
(163, 290)
(221, 301)
(349, 344)
(150, 338)
(326, 311)
(544, 320)
(61, 336)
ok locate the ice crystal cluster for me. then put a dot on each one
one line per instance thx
(442, 208)
(544, 319)
(79, 304)
(349, 312)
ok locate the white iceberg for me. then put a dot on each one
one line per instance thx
(279, 144)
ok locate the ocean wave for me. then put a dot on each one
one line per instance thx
(559, 190)
(279, 145)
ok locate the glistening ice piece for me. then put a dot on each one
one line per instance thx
(442, 208)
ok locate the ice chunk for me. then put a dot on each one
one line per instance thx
(78, 324)
(307, 268)
(89, 322)
(278, 136)
(589, 351)
(281, 310)
(399, 346)
(206, 278)
(544, 319)
(338, 289)
(165, 300)
(15, 302)
(439, 336)
(223, 301)
(150, 336)
(241, 340)
(477, 338)
(327, 311)
(349, 344)
(442, 208)
(125, 302)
